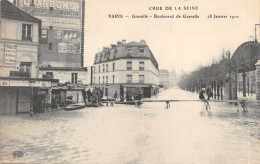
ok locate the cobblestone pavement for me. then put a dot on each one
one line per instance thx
(126, 134)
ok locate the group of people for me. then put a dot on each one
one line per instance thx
(137, 98)
(94, 96)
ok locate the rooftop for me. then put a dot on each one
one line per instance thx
(9, 10)
(64, 68)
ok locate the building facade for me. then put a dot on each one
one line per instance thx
(20, 88)
(126, 68)
(164, 78)
(61, 48)
(62, 30)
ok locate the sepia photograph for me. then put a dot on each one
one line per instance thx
(129, 81)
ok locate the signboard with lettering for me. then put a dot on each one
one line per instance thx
(61, 14)
(55, 4)
(24, 83)
(60, 23)
(10, 55)
(4, 83)
(62, 48)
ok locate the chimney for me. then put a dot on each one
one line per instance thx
(112, 45)
(119, 43)
(123, 41)
(143, 42)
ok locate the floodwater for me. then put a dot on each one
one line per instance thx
(126, 134)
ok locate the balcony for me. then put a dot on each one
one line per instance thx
(20, 74)
(47, 76)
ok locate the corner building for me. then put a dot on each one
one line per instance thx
(21, 90)
(62, 30)
(126, 68)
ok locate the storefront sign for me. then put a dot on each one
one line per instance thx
(4, 83)
(10, 55)
(19, 83)
(60, 23)
(55, 4)
(24, 83)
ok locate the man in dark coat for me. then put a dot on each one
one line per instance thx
(84, 94)
(89, 94)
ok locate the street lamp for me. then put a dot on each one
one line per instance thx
(31, 97)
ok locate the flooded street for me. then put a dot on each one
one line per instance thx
(126, 134)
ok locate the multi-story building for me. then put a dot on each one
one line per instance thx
(20, 88)
(62, 30)
(126, 68)
(164, 78)
(61, 48)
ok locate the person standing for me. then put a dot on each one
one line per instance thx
(139, 98)
(89, 94)
(116, 96)
(84, 95)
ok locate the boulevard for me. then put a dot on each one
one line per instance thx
(184, 133)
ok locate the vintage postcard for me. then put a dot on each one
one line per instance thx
(128, 81)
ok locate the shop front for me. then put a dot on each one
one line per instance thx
(22, 95)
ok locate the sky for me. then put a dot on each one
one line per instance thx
(178, 43)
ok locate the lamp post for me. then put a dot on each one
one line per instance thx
(31, 97)
(107, 85)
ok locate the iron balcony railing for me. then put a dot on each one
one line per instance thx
(20, 74)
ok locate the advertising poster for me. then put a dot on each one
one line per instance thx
(10, 55)
(62, 48)
(176, 82)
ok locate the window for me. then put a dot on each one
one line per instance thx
(113, 79)
(99, 80)
(113, 66)
(141, 51)
(49, 74)
(94, 80)
(129, 51)
(141, 78)
(25, 67)
(103, 67)
(107, 79)
(128, 78)
(74, 78)
(50, 46)
(94, 69)
(129, 65)
(107, 67)
(27, 32)
(99, 69)
(103, 79)
(141, 65)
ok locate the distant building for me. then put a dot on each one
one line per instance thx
(126, 68)
(164, 78)
(173, 79)
(20, 88)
